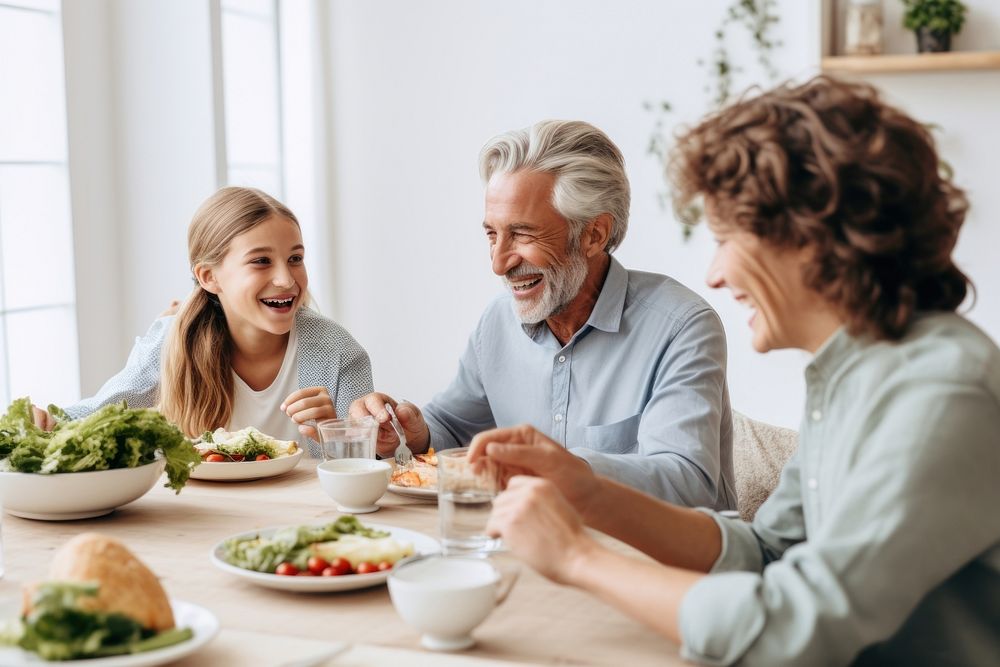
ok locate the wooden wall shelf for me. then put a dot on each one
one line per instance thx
(916, 62)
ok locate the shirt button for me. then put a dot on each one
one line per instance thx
(816, 415)
(562, 358)
(558, 418)
(813, 483)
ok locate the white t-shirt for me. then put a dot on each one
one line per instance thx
(261, 409)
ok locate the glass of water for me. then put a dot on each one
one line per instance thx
(465, 499)
(347, 438)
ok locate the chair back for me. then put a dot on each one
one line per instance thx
(760, 451)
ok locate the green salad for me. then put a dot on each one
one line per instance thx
(56, 629)
(290, 545)
(115, 436)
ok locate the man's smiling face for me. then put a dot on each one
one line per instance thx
(531, 245)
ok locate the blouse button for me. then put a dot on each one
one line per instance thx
(813, 483)
(816, 415)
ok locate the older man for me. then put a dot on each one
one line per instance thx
(625, 367)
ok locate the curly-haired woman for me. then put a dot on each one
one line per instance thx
(881, 543)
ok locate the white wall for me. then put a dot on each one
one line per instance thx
(142, 158)
(413, 90)
(418, 87)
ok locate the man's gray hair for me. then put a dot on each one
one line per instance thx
(589, 170)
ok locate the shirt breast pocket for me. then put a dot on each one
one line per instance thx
(617, 438)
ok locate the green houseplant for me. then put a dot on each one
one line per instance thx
(934, 22)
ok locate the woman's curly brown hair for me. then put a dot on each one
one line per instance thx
(828, 164)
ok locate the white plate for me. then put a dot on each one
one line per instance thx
(232, 471)
(202, 622)
(413, 491)
(75, 495)
(422, 544)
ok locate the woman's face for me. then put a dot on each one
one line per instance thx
(767, 280)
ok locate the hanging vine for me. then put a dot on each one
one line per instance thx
(758, 18)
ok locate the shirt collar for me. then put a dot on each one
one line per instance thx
(832, 354)
(607, 312)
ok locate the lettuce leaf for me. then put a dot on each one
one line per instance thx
(57, 629)
(115, 436)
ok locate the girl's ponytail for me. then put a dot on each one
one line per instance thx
(196, 387)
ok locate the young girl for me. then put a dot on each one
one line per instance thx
(243, 350)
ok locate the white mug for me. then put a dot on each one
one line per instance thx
(445, 597)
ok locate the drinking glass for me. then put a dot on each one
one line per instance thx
(347, 438)
(465, 499)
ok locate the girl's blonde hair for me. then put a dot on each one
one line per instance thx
(196, 384)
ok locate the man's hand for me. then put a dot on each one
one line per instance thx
(410, 419)
(43, 419)
(540, 527)
(310, 403)
(522, 450)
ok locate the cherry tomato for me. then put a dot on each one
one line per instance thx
(365, 568)
(287, 569)
(215, 458)
(338, 567)
(384, 565)
(262, 457)
(237, 457)
(317, 565)
(306, 573)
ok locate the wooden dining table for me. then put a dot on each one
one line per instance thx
(539, 623)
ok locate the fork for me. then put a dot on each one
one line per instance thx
(402, 455)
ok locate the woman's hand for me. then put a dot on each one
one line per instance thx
(43, 419)
(540, 527)
(410, 419)
(522, 450)
(310, 403)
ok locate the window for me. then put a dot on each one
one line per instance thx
(38, 341)
(251, 95)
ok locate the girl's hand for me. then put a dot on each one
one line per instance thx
(43, 419)
(540, 527)
(307, 404)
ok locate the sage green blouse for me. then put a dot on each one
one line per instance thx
(881, 543)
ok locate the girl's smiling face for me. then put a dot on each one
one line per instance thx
(261, 280)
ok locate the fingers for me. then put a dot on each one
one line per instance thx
(172, 308)
(311, 403)
(520, 435)
(373, 404)
(42, 419)
(410, 418)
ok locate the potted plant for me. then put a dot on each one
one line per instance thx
(934, 22)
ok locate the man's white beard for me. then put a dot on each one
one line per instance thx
(560, 285)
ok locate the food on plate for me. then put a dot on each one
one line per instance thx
(115, 436)
(420, 473)
(248, 444)
(100, 600)
(345, 546)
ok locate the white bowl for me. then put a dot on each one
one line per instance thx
(75, 495)
(354, 484)
(446, 598)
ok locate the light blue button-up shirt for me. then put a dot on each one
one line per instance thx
(639, 392)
